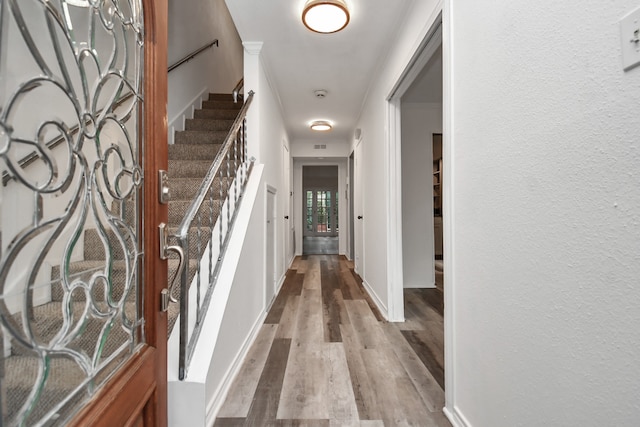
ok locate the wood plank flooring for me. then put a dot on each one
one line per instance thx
(320, 245)
(326, 357)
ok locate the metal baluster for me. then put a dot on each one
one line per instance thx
(211, 235)
(199, 252)
(236, 196)
(220, 216)
(245, 166)
(228, 187)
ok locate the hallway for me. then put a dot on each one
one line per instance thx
(325, 357)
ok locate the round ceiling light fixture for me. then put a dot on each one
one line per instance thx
(321, 125)
(325, 16)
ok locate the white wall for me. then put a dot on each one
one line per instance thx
(545, 155)
(419, 123)
(334, 148)
(267, 136)
(375, 164)
(192, 24)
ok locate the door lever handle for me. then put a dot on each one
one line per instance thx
(359, 216)
(164, 254)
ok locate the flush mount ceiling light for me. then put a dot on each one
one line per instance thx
(325, 16)
(321, 125)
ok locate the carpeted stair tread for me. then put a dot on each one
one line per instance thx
(187, 188)
(178, 209)
(84, 270)
(208, 124)
(193, 152)
(211, 137)
(48, 322)
(21, 374)
(221, 105)
(215, 113)
(94, 247)
(193, 168)
(224, 97)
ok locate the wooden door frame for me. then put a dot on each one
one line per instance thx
(145, 374)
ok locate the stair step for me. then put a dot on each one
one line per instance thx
(187, 188)
(221, 97)
(21, 375)
(208, 124)
(211, 137)
(193, 151)
(94, 248)
(178, 208)
(48, 322)
(193, 168)
(215, 113)
(83, 270)
(221, 105)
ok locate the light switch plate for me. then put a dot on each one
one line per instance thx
(630, 37)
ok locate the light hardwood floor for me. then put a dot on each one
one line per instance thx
(326, 357)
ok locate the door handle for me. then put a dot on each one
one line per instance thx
(286, 217)
(359, 216)
(167, 294)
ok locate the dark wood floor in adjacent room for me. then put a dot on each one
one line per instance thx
(325, 357)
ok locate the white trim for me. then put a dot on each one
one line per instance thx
(220, 395)
(377, 301)
(448, 191)
(177, 122)
(395, 279)
(269, 189)
(456, 418)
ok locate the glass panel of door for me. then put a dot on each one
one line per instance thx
(321, 212)
(71, 202)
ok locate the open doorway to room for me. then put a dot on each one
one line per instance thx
(421, 157)
(320, 209)
(416, 130)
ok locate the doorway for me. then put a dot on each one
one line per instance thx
(352, 237)
(320, 211)
(416, 175)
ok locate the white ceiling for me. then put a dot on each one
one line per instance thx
(299, 61)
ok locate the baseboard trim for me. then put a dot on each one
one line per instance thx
(382, 308)
(455, 417)
(177, 122)
(214, 405)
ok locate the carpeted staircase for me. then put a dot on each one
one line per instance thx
(190, 157)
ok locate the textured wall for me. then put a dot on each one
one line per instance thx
(419, 123)
(192, 24)
(546, 196)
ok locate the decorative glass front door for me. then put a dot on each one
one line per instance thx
(71, 74)
(321, 213)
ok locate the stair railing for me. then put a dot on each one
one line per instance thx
(237, 90)
(205, 231)
(192, 55)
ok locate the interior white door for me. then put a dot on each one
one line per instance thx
(358, 203)
(271, 248)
